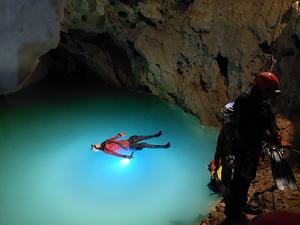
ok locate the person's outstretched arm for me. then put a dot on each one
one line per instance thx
(117, 136)
(118, 155)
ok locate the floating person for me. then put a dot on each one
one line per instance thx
(112, 145)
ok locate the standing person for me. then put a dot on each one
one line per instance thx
(112, 145)
(254, 121)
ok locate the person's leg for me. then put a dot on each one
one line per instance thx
(140, 146)
(237, 192)
(236, 200)
(137, 138)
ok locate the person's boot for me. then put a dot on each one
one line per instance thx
(167, 145)
(158, 134)
(252, 210)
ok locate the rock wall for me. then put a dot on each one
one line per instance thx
(288, 61)
(28, 29)
(199, 54)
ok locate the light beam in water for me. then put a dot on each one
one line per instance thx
(125, 162)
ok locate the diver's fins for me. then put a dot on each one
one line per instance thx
(281, 171)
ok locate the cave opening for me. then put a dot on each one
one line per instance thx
(68, 71)
(85, 60)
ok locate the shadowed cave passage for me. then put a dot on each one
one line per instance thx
(101, 56)
(50, 176)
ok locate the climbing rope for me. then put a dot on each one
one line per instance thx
(273, 60)
(292, 149)
(295, 150)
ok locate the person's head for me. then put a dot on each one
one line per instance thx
(268, 84)
(97, 147)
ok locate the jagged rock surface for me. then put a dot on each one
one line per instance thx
(265, 194)
(198, 53)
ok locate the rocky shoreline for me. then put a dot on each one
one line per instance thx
(263, 191)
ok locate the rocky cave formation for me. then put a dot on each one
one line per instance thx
(28, 29)
(198, 54)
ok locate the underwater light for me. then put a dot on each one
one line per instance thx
(125, 162)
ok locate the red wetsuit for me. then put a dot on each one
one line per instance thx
(112, 145)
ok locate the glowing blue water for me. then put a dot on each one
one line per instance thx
(49, 175)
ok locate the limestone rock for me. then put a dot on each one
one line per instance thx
(28, 29)
(150, 10)
(199, 54)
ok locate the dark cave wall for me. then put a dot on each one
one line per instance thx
(199, 54)
(102, 57)
(288, 66)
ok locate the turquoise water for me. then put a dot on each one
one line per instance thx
(50, 176)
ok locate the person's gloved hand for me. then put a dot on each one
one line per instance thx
(285, 144)
(122, 134)
(128, 156)
(279, 142)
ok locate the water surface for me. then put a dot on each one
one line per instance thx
(50, 176)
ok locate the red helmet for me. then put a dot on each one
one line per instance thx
(267, 80)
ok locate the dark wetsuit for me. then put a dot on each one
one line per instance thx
(254, 119)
